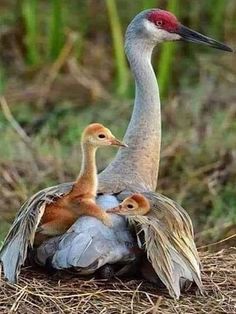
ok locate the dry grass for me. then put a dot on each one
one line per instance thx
(64, 293)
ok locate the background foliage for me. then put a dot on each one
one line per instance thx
(63, 66)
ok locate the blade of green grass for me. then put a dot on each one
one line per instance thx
(56, 28)
(2, 80)
(30, 15)
(148, 4)
(4, 227)
(167, 56)
(120, 60)
(217, 16)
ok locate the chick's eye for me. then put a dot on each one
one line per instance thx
(130, 206)
(101, 135)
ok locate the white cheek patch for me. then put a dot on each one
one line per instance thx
(150, 27)
(159, 35)
(164, 35)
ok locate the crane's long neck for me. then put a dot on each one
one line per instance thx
(86, 182)
(138, 164)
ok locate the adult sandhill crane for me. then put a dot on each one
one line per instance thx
(89, 244)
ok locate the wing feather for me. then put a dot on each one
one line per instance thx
(21, 234)
(166, 233)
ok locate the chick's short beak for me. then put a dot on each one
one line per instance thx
(115, 210)
(114, 141)
(190, 35)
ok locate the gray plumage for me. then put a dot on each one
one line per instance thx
(137, 166)
(89, 244)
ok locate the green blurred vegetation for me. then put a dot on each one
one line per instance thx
(63, 66)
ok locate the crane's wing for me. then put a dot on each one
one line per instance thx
(21, 234)
(166, 233)
(89, 244)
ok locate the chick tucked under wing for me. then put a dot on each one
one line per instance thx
(166, 234)
(89, 244)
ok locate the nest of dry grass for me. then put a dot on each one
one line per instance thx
(65, 293)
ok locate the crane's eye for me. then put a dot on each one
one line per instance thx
(101, 135)
(130, 206)
(159, 23)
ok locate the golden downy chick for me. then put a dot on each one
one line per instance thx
(134, 205)
(63, 212)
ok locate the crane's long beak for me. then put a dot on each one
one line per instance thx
(188, 34)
